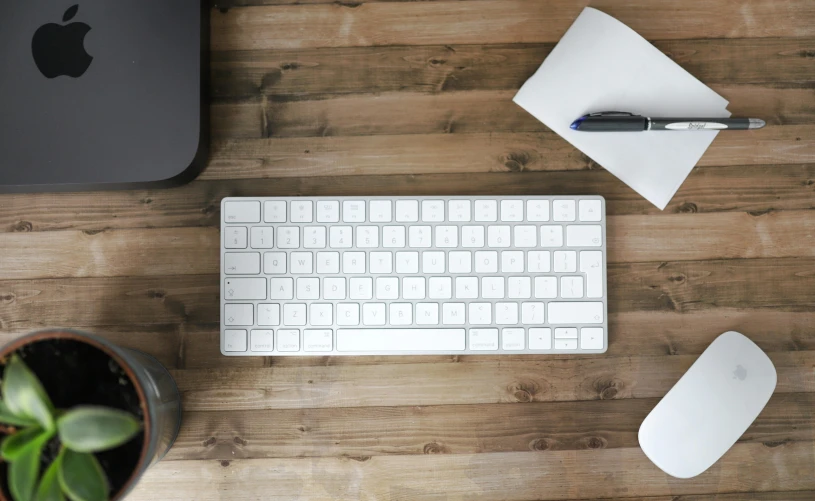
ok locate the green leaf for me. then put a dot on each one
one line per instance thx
(82, 478)
(24, 471)
(94, 429)
(49, 489)
(24, 394)
(8, 417)
(14, 445)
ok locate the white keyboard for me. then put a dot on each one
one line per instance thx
(413, 275)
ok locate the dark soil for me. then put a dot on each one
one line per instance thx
(74, 373)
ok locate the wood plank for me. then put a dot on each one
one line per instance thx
(495, 22)
(533, 379)
(462, 112)
(453, 429)
(707, 189)
(437, 68)
(522, 476)
(195, 251)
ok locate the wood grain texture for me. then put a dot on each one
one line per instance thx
(380, 97)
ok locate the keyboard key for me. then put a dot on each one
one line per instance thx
(584, 235)
(381, 262)
(288, 340)
(281, 288)
(400, 340)
(353, 211)
(526, 236)
(373, 314)
(387, 288)
(242, 212)
(381, 211)
(486, 210)
(302, 211)
(551, 236)
(460, 261)
(361, 288)
(565, 344)
(432, 211)
(348, 314)
(401, 314)
(452, 313)
(591, 263)
(506, 313)
(274, 263)
(591, 338)
(472, 236)
(339, 237)
(274, 212)
(498, 236)
(242, 263)
(566, 333)
(407, 262)
(269, 314)
(519, 287)
(328, 262)
(565, 261)
(433, 262)
(328, 211)
(590, 210)
(318, 340)
(407, 211)
(294, 314)
(262, 237)
(458, 211)
(427, 314)
(288, 237)
(446, 236)
(532, 313)
(302, 263)
(540, 339)
(539, 261)
(483, 339)
(512, 339)
(440, 288)
(413, 288)
(537, 210)
(239, 289)
(239, 314)
(235, 237)
(492, 287)
(571, 287)
(512, 210)
(486, 262)
(393, 236)
(262, 340)
(512, 262)
(545, 287)
(419, 236)
(563, 210)
(308, 288)
(466, 288)
(314, 237)
(367, 237)
(334, 288)
(353, 263)
(479, 313)
(321, 314)
(234, 340)
(575, 313)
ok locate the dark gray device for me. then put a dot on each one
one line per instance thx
(102, 94)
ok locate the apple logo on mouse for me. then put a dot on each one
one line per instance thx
(740, 373)
(59, 49)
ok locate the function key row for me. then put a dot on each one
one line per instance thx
(411, 211)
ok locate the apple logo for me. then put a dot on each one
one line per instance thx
(740, 373)
(60, 49)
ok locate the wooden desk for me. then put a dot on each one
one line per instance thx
(379, 98)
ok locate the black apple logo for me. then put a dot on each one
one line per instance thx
(60, 49)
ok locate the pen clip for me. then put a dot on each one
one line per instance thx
(611, 114)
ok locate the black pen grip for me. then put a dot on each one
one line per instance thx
(612, 124)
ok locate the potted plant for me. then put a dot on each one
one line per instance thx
(82, 418)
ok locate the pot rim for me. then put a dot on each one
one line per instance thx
(87, 338)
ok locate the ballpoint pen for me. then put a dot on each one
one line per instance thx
(620, 121)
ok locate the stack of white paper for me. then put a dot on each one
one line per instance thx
(602, 65)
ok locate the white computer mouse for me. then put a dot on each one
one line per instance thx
(709, 408)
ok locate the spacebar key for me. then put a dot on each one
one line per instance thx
(418, 340)
(576, 313)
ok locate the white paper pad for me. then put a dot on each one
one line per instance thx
(602, 65)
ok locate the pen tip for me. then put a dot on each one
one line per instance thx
(576, 124)
(756, 123)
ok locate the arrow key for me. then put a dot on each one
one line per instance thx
(591, 338)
